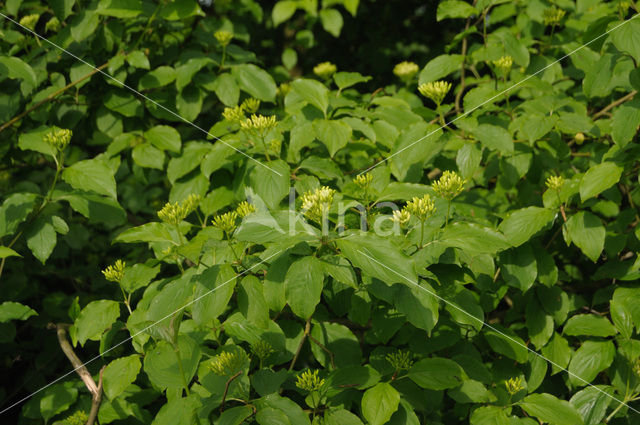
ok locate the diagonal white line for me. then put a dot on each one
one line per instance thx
(138, 333)
(499, 94)
(138, 93)
(496, 330)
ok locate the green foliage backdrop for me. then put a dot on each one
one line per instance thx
(333, 212)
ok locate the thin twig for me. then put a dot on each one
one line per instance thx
(226, 390)
(325, 349)
(613, 104)
(96, 400)
(307, 329)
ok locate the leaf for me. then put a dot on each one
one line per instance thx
(161, 362)
(255, 81)
(10, 310)
(519, 267)
(312, 92)
(190, 159)
(549, 409)
(331, 21)
(178, 10)
(598, 178)
(416, 145)
(333, 134)
(148, 156)
(93, 175)
(57, 399)
(494, 138)
(506, 342)
(123, 103)
(119, 374)
(419, 305)
(16, 68)
(586, 231)
(590, 359)
(235, 415)
(436, 373)
(218, 283)
(271, 187)
(149, 232)
(251, 302)
(226, 88)
(626, 120)
(592, 403)
(379, 258)
(337, 339)
(341, 417)
(303, 286)
(521, 225)
(558, 351)
(379, 403)
(95, 318)
(41, 238)
(164, 138)
(626, 38)
(138, 276)
(454, 9)
(14, 210)
(179, 410)
(590, 325)
(348, 79)
(474, 238)
(282, 11)
(489, 415)
(120, 8)
(34, 141)
(8, 252)
(440, 67)
(539, 324)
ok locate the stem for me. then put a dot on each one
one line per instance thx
(446, 222)
(421, 233)
(264, 145)
(616, 410)
(224, 55)
(307, 329)
(226, 390)
(126, 299)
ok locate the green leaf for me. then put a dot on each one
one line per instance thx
(419, 305)
(123, 103)
(94, 175)
(331, 21)
(521, 225)
(226, 88)
(378, 257)
(586, 231)
(454, 9)
(138, 59)
(164, 138)
(592, 403)
(95, 318)
(489, 415)
(494, 138)
(590, 359)
(590, 325)
(436, 373)
(506, 342)
(41, 238)
(519, 267)
(626, 120)
(10, 310)
(149, 232)
(178, 411)
(161, 362)
(255, 81)
(96, 208)
(189, 102)
(251, 302)
(138, 276)
(303, 286)
(119, 374)
(313, 92)
(282, 11)
(178, 10)
(379, 403)
(558, 351)
(14, 210)
(549, 409)
(416, 145)
(337, 339)
(474, 238)
(333, 134)
(598, 178)
(8, 252)
(57, 399)
(341, 417)
(235, 415)
(190, 159)
(348, 79)
(16, 68)
(625, 310)
(120, 8)
(34, 141)
(271, 187)
(440, 67)
(148, 156)
(626, 38)
(219, 284)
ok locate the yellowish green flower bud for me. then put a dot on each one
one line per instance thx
(53, 25)
(514, 385)
(226, 222)
(555, 182)
(191, 203)
(115, 273)
(435, 90)
(262, 349)
(260, 123)
(405, 70)
(363, 181)
(309, 381)
(553, 15)
(401, 217)
(449, 185)
(244, 209)
(400, 360)
(228, 362)
(422, 208)
(234, 115)
(29, 21)
(59, 138)
(251, 105)
(325, 70)
(223, 37)
(283, 89)
(503, 65)
(79, 417)
(316, 203)
(173, 213)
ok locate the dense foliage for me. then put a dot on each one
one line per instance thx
(247, 233)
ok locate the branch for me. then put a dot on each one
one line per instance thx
(95, 402)
(613, 104)
(325, 349)
(226, 390)
(50, 98)
(307, 329)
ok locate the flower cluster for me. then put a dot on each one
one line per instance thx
(225, 222)
(553, 15)
(259, 123)
(555, 182)
(316, 204)
(191, 203)
(235, 114)
(244, 209)
(401, 217)
(223, 37)
(503, 64)
(423, 208)
(250, 105)
(228, 362)
(309, 381)
(400, 360)
(173, 213)
(435, 90)
(79, 417)
(449, 185)
(363, 181)
(52, 25)
(325, 70)
(115, 273)
(29, 21)
(405, 70)
(514, 385)
(59, 138)
(262, 349)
